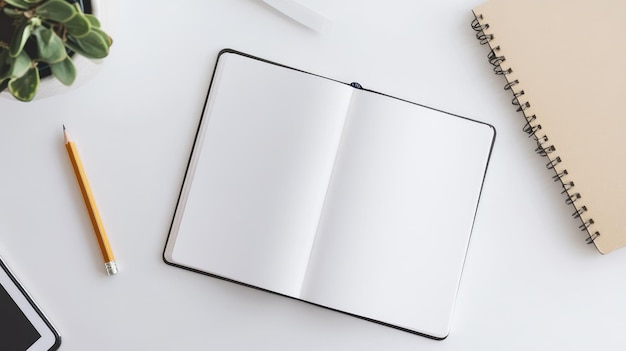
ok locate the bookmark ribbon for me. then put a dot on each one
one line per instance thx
(300, 14)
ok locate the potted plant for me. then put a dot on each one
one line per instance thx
(39, 37)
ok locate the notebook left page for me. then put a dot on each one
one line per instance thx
(256, 183)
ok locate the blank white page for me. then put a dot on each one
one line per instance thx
(400, 207)
(261, 167)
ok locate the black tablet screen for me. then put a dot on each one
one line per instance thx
(16, 331)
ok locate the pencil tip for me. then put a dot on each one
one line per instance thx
(64, 127)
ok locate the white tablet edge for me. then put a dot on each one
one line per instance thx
(49, 337)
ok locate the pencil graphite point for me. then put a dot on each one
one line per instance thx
(66, 137)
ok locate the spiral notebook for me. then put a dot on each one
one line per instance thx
(329, 193)
(565, 64)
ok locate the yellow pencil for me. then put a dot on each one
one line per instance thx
(96, 222)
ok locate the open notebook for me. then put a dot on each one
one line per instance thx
(564, 62)
(335, 195)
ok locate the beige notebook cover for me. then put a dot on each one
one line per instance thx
(565, 62)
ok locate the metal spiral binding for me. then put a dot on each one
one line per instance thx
(544, 148)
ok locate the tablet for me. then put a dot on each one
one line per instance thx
(23, 327)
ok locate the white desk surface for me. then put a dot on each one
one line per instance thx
(530, 282)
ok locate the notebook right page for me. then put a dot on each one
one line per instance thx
(566, 62)
(398, 214)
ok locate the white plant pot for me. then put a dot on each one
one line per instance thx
(107, 13)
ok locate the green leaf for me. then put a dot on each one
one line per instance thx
(78, 25)
(33, 1)
(56, 10)
(21, 64)
(93, 20)
(49, 45)
(19, 4)
(104, 36)
(20, 37)
(92, 45)
(24, 88)
(64, 71)
(11, 67)
(15, 13)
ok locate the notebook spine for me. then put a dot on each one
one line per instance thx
(532, 127)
